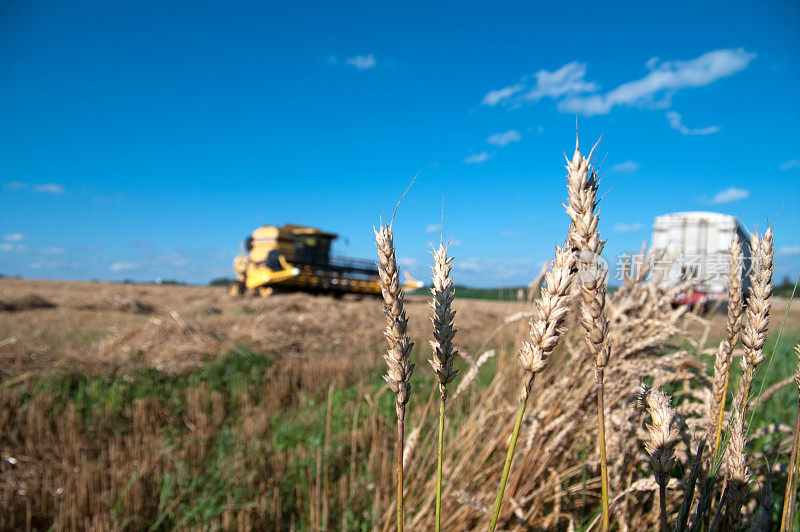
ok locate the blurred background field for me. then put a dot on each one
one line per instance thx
(161, 407)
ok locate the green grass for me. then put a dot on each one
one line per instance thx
(500, 293)
(504, 293)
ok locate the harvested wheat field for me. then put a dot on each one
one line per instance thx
(101, 379)
(104, 328)
(138, 406)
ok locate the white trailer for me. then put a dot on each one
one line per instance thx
(697, 243)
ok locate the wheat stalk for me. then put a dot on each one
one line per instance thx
(661, 446)
(397, 359)
(585, 239)
(442, 348)
(722, 363)
(790, 496)
(546, 330)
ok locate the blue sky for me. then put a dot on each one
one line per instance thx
(142, 140)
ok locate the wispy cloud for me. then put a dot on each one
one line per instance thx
(664, 79)
(489, 268)
(49, 188)
(13, 237)
(362, 62)
(433, 228)
(511, 234)
(576, 94)
(171, 259)
(123, 266)
(15, 185)
(788, 165)
(566, 80)
(13, 242)
(628, 228)
(626, 166)
(569, 79)
(503, 139)
(675, 122)
(51, 265)
(730, 195)
(789, 250)
(53, 250)
(477, 158)
(407, 262)
(496, 96)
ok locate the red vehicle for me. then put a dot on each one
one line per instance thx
(695, 299)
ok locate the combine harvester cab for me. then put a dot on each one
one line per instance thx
(298, 258)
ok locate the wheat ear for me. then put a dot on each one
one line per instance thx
(397, 357)
(585, 238)
(787, 517)
(442, 349)
(738, 475)
(756, 323)
(722, 363)
(546, 330)
(663, 436)
(754, 336)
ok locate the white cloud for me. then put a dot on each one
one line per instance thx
(5, 246)
(52, 250)
(566, 80)
(13, 237)
(477, 158)
(664, 79)
(675, 123)
(503, 139)
(627, 228)
(407, 262)
(788, 165)
(47, 264)
(362, 62)
(491, 268)
(626, 166)
(49, 188)
(730, 194)
(123, 266)
(170, 258)
(511, 234)
(15, 185)
(497, 96)
(789, 250)
(433, 228)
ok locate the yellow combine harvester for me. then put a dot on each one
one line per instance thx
(298, 258)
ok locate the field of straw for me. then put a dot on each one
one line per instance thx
(144, 407)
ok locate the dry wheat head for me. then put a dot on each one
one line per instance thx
(547, 325)
(758, 305)
(584, 236)
(397, 356)
(443, 314)
(662, 430)
(722, 362)
(738, 474)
